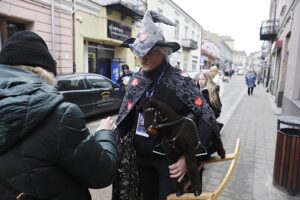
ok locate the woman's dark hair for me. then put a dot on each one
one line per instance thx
(125, 66)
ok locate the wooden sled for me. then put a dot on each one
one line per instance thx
(215, 194)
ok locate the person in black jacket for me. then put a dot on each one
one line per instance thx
(46, 150)
(123, 79)
(210, 92)
(143, 172)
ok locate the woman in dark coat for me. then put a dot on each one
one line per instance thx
(46, 150)
(210, 92)
(124, 77)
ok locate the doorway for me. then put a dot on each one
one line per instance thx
(100, 58)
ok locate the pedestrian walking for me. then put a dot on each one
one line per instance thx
(250, 81)
(46, 150)
(144, 172)
(214, 73)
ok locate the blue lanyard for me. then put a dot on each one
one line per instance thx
(150, 93)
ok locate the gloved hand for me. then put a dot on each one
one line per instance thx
(221, 151)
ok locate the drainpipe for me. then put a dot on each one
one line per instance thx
(53, 27)
(73, 34)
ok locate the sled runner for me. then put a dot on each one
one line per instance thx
(215, 194)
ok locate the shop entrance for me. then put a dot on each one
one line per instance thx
(100, 58)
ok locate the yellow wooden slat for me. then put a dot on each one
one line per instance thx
(213, 159)
(190, 196)
(229, 173)
(213, 195)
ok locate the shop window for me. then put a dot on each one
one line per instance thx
(100, 58)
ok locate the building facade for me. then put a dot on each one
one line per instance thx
(187, 33)
(210, 49)
(226, 56)
(282, 31)
(99, 29)
(53, 22)
(217, 50)
(239, 60)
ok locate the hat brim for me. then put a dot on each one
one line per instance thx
(173, 45)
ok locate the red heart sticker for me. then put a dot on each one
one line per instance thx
(129, 105)
(198, 102)
(135, 82)
(143, 36)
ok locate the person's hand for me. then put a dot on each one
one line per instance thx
(106, 124)
(126, 80)
(178, 169)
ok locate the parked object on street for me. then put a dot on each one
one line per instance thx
(233, 157)
(93, 93)
(240, 72)
(286, 172)
(225, 79)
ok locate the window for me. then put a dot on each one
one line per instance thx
(176, 29)
(193, 33)
(99, 82)
(186, 32)
(73, 83)
(7, 29)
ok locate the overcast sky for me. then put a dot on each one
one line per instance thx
(240, 19)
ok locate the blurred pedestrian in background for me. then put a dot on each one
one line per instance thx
(214, 73)
(124, 78)
(46, 151)
(250, 78)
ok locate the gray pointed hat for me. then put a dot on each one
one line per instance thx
(150, 35)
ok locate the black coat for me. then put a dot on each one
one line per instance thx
(45, 148)
(217, 111)
(185, 90)
(126, 186)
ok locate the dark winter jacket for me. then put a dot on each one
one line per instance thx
(182, 86)
(120, 82)
(175, 88)
(217, 111)
(45, 148)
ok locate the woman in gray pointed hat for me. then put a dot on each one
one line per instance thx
(142, 169)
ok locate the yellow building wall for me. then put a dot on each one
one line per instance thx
(94, 28)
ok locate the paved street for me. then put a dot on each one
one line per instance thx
(254, 122)
(252, 119)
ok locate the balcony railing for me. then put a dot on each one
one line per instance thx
(189, 44)
(133, 8)
(269, 30)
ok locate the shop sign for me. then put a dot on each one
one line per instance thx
(118, 31)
